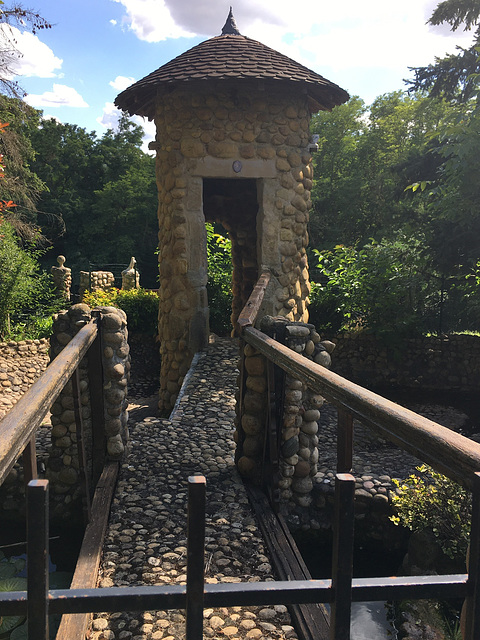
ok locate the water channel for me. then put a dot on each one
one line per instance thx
(370, 620)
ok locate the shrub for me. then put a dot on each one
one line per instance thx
(433, 501)
(27, 295)
(380, 287)
(140, 305)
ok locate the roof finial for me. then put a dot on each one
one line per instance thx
(230, 27)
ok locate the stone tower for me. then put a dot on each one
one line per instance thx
(233, 146)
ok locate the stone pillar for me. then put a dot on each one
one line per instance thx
(62, 278)
(301, 413)
(63, 469)
(131, 277)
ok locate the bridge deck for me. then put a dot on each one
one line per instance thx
(146, 536)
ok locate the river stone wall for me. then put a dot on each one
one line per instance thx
(21, 363)
(94, 280)
(63, 466)
(299, 418)
(215, 134)
(443, 363)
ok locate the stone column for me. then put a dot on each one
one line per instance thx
(216, 135)
(62, 278)
(130, 276)
(301, 413)
(63, 469)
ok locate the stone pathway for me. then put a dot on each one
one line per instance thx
(146, 537)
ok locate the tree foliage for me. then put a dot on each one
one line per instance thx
(452, 77)
(397, 188)
(20, 183)
(219, 285)
(25, 290)
(101, 196)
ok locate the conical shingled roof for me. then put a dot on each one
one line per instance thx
(229, 57)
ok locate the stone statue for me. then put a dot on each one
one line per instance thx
(62, 278)
(131, 277)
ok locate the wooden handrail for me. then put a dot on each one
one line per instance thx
(19, 425)
(249, 313)
(449, 452)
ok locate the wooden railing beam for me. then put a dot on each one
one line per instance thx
(250, 311)
(450, 453)
(21, 422)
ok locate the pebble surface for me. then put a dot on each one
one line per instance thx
(146, 537)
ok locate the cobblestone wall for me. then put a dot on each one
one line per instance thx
(216, 135)
(57, 452)
(21, 363)
(446, 363)
(299, 451)
(93, 280)
(63, 467)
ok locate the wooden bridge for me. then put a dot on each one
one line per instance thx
(444, 450)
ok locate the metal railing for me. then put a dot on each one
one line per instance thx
(450, 453)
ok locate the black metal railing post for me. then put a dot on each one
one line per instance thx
(38, 559)
(342, 557)
(195, 557)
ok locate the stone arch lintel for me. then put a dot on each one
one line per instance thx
(224, 168)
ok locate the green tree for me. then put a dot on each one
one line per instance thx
(219, 285)
(338, 173)
(102, 193)
(452, 77)
(19, 182)
(126, 224)
(366, 160)
(383, 287)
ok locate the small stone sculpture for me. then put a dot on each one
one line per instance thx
(62, 278)
(131, 277)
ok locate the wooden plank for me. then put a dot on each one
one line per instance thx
(37, 550)
(249, 312)
(29, 461)
(74, 626)
(310, 620)
(22, 421)
(342, 556)
(448, 452)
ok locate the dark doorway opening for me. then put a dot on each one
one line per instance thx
(233, 203)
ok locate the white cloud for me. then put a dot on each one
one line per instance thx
(35, 59)
(150, 20)
(50, 117)
(109, 120)
(109, 117)
(121, 82)
(61, 96)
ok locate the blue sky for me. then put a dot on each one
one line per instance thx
(98, 47)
